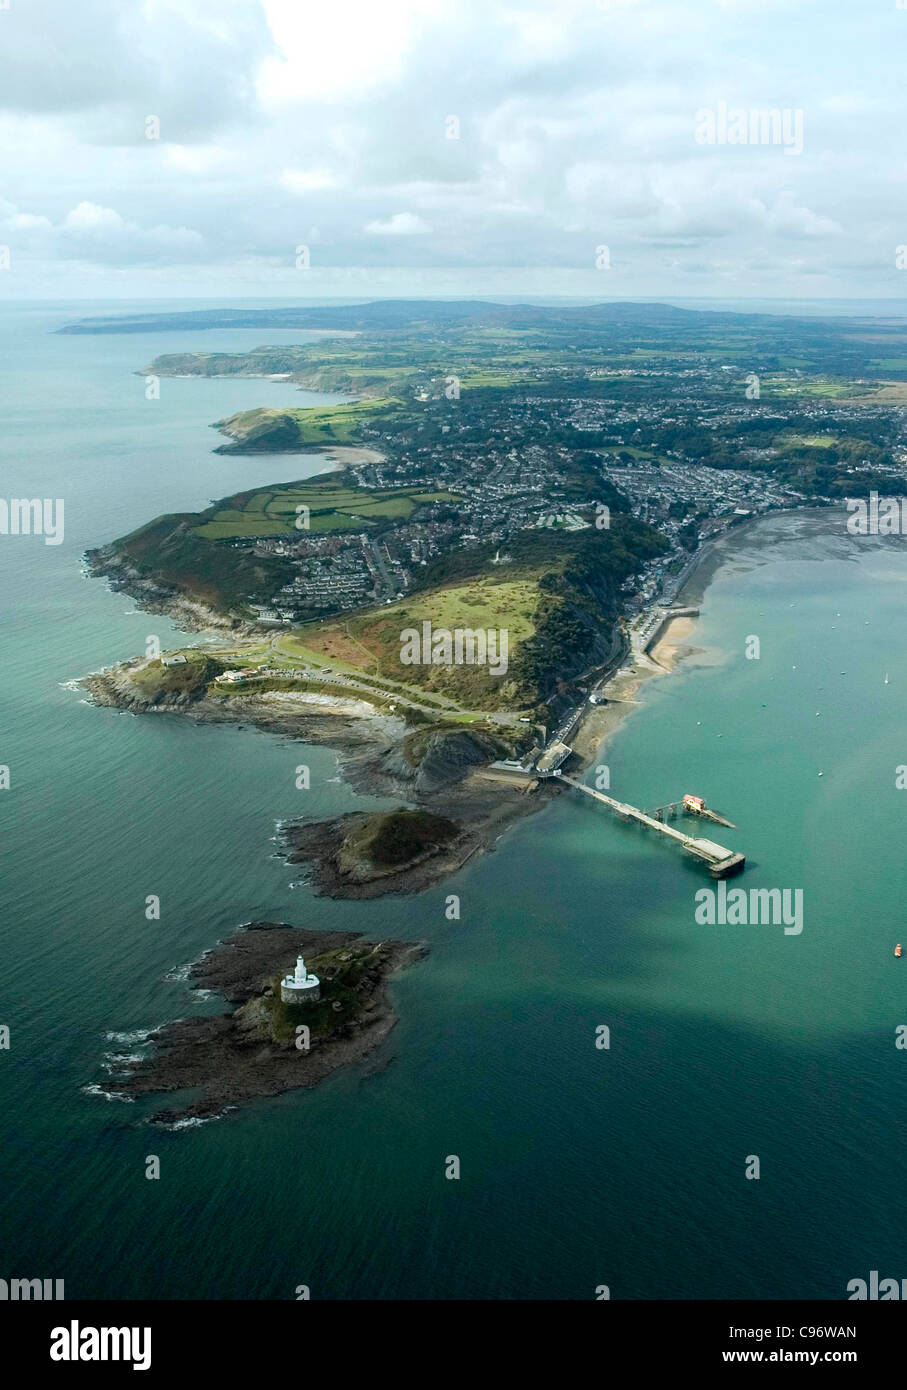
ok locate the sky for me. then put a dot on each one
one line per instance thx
(365, 148)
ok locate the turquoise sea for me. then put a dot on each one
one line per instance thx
(580, 1166)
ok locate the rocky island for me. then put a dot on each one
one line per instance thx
(258, 1049)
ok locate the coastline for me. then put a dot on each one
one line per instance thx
(454, 779)
(242, 1055)
(670, 648)
(367, 742)
(673, 643)
(348, 455)
(448, 781)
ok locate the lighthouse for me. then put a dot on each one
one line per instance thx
(300, 987)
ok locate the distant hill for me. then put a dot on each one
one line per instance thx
(401, 314)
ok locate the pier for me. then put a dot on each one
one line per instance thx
(691, 806)
(722, 863)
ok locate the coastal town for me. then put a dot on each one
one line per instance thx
(559, 485)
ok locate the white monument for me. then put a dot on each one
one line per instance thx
(300, 987)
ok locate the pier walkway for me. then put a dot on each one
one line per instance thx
(722, 862)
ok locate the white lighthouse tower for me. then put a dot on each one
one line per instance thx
(300, 987)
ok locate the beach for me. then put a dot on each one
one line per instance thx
(672, 645)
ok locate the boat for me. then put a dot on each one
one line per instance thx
(886, 677)
(897, 950)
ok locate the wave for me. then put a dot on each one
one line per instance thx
(118, 1061)
(194, 1121)
(95, 1089)
(138, 1035)
(179, 973)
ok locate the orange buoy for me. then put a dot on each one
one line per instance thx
(897, 949)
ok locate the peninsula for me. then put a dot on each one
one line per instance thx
(471, 599)
(543, 477)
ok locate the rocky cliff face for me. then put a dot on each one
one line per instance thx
(123, 576)
(117, 690)
(426, 761)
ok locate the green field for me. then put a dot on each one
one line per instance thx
(267, 430)
(776, 385)
(808, 441)
(472, 380)
(339, 424)
(890, 364)
(273, 513)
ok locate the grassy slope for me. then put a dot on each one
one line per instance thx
(391, 839)
(337, 508)
(267, 430)
(557, 600)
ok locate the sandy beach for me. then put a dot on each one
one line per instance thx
(810, 527)
(672, 645)
(350, 455)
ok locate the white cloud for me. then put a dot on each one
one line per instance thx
(347, 46)
(89, 217)
(27, 222)
(284, 123)
(308, 181)
(401, 224)
(91, 232)
(791, 219)
(196, 159)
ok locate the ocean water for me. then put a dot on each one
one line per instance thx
(580, 1166)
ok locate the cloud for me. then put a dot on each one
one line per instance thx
(191, 62)
(328, 52)
(98, 234)
(573, 126)
(792, 219)
(401, 224)
(308, 181)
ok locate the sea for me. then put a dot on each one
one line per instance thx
(637, 1101)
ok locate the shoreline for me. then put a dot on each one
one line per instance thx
(672, 645)
(367, 743)
(662, 657)
(248, 1053)
(449, 781)
(348, 455)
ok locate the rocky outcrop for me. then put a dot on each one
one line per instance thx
(108, 562)
(253, 1052)
(427, 760)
